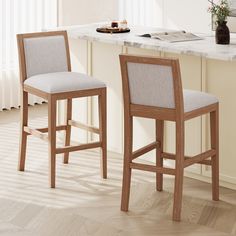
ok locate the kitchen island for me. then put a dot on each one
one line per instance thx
(205, 66)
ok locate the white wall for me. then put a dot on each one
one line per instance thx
(188, 15)
(74, 12)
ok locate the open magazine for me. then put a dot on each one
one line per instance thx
(173, 36)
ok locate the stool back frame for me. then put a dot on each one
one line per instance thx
(21, 49)
(148, 111)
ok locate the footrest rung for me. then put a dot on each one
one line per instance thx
(36, 133)
(144, 167)
(80, 125)
(144, 150)
(190, 160)
(78, 148)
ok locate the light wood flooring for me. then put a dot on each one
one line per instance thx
(84, 204)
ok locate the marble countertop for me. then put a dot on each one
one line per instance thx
(206, 48)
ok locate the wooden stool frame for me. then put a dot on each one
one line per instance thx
(52, 117)
(176, 115)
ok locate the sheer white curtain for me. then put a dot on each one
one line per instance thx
(142, 12)
(19, 16)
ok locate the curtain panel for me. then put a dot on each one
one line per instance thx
(19, 16)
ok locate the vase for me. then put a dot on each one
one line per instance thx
(222, 33)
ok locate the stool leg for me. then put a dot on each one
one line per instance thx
(179, 166)
(52, 140)
(214, 123)
(68, 128)
(23, 135)
(159, 150)
(128, 146)
(102, 103)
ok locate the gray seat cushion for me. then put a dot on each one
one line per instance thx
(63, 82)
(194, 100)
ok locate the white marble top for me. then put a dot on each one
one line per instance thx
(205, 48)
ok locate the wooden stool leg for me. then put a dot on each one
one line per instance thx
(159, 150)
(52, 140)
(214, 123)
(102, 103)
(68, 128)
(179, 166)
(128, 146)
(23, 134)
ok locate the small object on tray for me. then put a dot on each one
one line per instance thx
(114, 24)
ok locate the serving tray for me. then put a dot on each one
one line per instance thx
(112, 30)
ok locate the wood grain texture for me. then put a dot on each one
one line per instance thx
(85, 204)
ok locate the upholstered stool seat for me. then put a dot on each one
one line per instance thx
(60, 82)
(194, 100)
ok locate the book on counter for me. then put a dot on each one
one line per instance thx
(173, 36)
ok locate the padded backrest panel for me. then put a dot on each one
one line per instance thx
(151, 85)
(45, 55)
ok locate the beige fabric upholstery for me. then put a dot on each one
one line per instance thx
(45, 55)
(151, 85)
(63, 82)
(194, 100)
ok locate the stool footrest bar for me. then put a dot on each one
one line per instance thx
(80, 125)
(36, 133)
(144, 150)
(200, 157)
(171, 156)
(151, 168)
(78, 148)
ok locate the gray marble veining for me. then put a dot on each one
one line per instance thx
(205, 48)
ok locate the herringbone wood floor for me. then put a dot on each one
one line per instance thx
(84, 204)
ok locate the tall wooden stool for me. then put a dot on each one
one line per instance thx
(45, 71)
(152, 88)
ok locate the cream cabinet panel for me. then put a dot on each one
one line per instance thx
(106, 67)
(79, 63)
(191, 79)
(221, 81)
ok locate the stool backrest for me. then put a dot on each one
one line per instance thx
(152, 81)
(41, 53)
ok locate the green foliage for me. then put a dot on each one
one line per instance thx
(221, 10)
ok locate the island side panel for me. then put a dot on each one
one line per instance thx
(79, 63)
(221, 81)
(191, 79)
(106, 67)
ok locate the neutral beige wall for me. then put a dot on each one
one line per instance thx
(74, 12)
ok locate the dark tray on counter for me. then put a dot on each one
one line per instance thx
(112, 30)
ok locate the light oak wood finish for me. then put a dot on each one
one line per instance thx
(52, 116)
(68, 128)
(160, 115)
(77, 206)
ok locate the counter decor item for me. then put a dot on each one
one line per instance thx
(220, 12)
(114, 27)
(173, 36)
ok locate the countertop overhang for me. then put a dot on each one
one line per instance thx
(206, 48)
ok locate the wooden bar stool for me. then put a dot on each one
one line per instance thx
(45, 71)
(152, 88)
